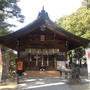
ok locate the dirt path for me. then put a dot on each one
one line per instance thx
(10, 85)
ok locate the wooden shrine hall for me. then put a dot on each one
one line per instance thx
(42, 43)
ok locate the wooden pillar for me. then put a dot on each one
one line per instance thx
(66, 50)
(55, 62)
(18, 54)
(42, 60)
(36, 57)
(65, 55)
(47, 60)
(30, 58)
(36, 62)
(18, 48)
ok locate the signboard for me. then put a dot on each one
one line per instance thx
(0, 64)
(88, 61)
(60, 65)
(42, 38)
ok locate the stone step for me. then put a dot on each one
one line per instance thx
(42, 73)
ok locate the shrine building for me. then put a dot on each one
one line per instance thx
(42, 43)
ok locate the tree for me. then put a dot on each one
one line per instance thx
(9, 9)
(77, 23)
(86, 3)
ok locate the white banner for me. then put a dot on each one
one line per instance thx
(0, 64)
(88, 61)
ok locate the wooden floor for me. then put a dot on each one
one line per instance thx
(42, 73)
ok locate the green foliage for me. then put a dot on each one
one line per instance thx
(76, 55)
(79, 53)
(9, 9)
(3, 31)
(86, 3)
(77, 23)
(12, 56)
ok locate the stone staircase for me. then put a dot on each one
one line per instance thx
(42, 73)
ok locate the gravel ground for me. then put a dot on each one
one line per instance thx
(36, 83)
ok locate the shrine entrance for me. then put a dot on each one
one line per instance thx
(34, 59)
(40, 61)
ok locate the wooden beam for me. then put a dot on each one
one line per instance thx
(40, 42)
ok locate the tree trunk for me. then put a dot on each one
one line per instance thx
(4, 71)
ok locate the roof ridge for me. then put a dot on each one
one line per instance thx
(43, 14)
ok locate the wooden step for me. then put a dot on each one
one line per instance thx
(42, 73)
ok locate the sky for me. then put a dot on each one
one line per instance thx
(55, 9)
